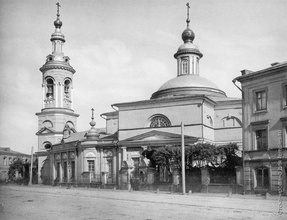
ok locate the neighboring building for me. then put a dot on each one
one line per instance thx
(6, 158)
(264, 95)
(114, 155)
(57, 112)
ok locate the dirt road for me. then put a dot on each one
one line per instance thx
(44, 202)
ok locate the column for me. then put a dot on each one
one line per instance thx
(43, 95)
(56, 95)
(76, 168)
(61, 168)
(124, 149)
(61, 95)
(71, 98)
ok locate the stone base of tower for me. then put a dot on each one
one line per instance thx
(43, 168)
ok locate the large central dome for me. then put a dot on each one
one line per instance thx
(186, 85)
(188, 82)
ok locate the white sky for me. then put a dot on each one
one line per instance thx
(123, 51)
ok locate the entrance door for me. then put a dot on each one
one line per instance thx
(65, 172)
(58, 171)
(73, 171)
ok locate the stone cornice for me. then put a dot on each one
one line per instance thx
(48, 67)
(188, 51)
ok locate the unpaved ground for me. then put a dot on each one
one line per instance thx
(42, 202)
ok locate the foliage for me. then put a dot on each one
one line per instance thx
(20, 166)
(23, 168)
(196, 156)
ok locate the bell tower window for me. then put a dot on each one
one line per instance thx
(67, 88)
(50, 89)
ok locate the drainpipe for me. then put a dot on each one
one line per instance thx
(243, 145)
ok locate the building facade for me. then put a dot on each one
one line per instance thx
(114, 156)
(7, 156)
(264, 128)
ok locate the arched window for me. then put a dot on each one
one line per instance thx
(159, 121)
(47, 145)
(50, 88)
(67, 85)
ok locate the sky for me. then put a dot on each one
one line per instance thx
(122, 51)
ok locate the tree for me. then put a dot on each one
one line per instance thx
(21, 167)
(196, 156)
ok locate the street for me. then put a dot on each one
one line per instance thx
(46, 202)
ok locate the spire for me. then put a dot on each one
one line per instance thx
(57, 35)
(92, 134)
(92, 123)
(187, 35)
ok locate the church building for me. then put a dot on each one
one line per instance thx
(113, 155)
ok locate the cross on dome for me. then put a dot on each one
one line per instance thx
(187, 19)
(58, 8)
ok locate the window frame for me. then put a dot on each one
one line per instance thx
(261, 185)
(284, 95)
(255, 100)
(263, 140)
(185, 60)
(158, 117)
(92, 162)
(284, 131)
(257, 126)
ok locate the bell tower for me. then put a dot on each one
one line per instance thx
(57, 95)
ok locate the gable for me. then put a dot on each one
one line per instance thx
(45, 130)
(157, 138)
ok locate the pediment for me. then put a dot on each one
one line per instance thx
(45, 130)
(157, 137)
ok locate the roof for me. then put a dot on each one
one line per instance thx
(250, 75)
(186, 85)
(81, 136)
(8, 151)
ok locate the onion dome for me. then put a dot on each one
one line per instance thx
(188, 35)
(92, 134)
(188, 46)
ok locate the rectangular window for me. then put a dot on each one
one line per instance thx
(91, 166)
(262, 178)
(261, 102)
(261, 138)
(184, 67)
